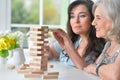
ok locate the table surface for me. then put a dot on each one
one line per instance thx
(65, 73)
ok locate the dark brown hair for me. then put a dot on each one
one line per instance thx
(95, 44)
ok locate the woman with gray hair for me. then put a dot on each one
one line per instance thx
(107, 24)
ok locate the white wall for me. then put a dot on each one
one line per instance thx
(4, 18)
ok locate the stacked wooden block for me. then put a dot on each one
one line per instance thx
(39, 58)
(37, 68)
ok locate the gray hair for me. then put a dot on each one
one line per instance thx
(112, 8)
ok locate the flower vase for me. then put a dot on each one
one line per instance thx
(3, 60)
(17, 57)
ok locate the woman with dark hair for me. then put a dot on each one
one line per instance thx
(79, 46)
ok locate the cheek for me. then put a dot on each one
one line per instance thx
(101, 32)
(71, 22)
(87, 24)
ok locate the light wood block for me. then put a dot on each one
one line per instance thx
(37, 72)
(50, 66)
(32, 38)
(53, 73)
(39, 69)
(23, 70)
(33, 75)
(52, 29)
(42, 28)
(50, 77)
(35, 49)
(11, 67)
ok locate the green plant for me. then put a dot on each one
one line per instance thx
(8, 42)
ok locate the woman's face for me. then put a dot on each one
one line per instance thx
(102, 22)
(80, 20)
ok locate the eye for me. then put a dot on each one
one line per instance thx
(82, 16)
(72, 16)
(98, 18)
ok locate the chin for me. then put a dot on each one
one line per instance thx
(98, 36)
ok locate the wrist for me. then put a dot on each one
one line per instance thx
(97, 68)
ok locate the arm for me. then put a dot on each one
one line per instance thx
(110, 71)
(68, 46)
(91, 68)
(106, 72)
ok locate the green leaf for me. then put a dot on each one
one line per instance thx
(4, 53)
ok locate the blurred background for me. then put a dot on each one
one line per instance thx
(20, 15)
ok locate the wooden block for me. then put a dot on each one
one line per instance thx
(42, 57)
(23, 70)
(50, 77)
(35, 49)
(38, 60)
(38, 63)
(22, 67)
(50, 66)
(38, 66)
(32, 75)
(36, 39)
(37, 72)
(36, 54)
(44, 68)
(26, 65)
(11, 67)
(42, 37)
(53, 73)
(42, 42)
(41, 34)
(38, 69)
(38, 44)
(41, 28)
(52, 29)
(38, 34)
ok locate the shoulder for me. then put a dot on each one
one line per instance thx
(117, 61)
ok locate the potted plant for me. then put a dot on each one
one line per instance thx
(10, 41)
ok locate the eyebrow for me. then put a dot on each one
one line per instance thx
(79, 13)
(97, 15)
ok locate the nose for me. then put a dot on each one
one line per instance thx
(77, 19)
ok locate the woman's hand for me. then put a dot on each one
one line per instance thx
(63, 38)
(90, 69)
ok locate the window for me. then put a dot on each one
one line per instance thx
(26, 13)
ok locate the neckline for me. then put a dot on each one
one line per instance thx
(115, 53)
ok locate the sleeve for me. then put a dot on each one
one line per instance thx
(57, 47)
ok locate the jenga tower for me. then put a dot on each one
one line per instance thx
(39, 58)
